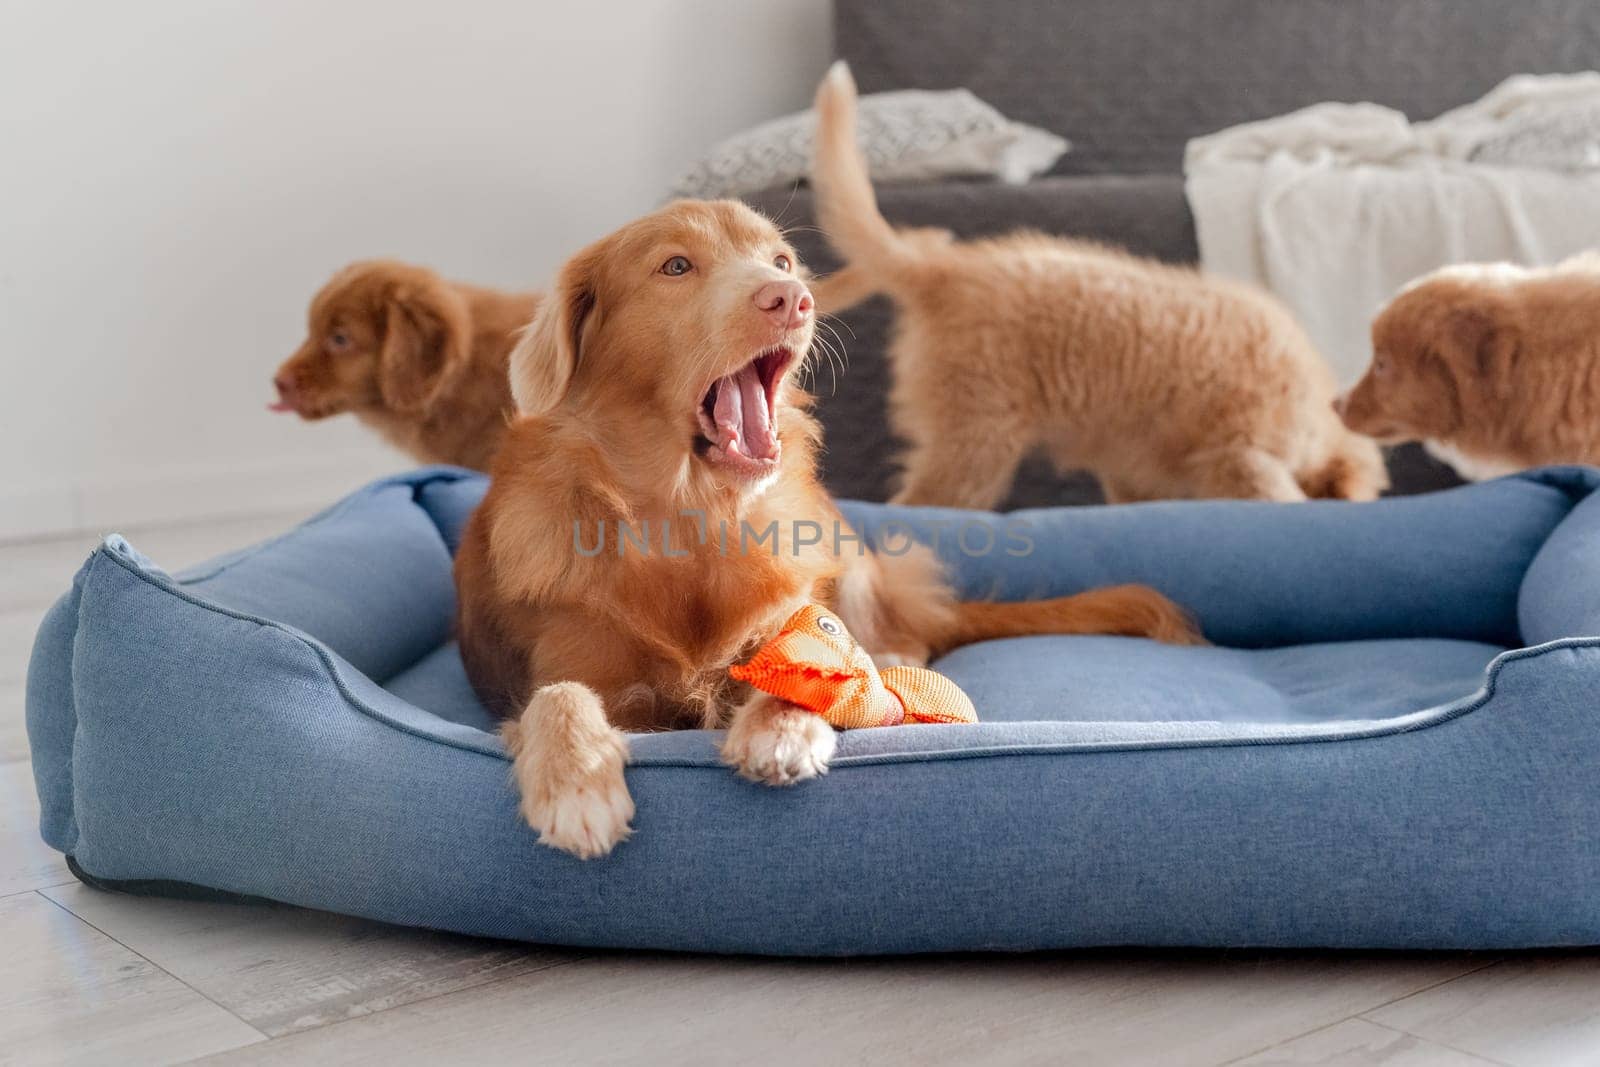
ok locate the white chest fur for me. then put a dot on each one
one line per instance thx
(1472, 468)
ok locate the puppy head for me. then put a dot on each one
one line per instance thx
(687, 324)
(1446, 341)
(382, 336)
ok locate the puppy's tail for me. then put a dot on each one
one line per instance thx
(847, 209)
(1122, 610)
(1353, 470)
(842, 290)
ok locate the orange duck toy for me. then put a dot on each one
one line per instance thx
(815, 664)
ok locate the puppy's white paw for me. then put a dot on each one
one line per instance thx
(583, 806)
(587, 819)
(779, 746)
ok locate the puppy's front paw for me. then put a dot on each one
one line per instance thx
(779, 744)
(587, 819)
(568, 764)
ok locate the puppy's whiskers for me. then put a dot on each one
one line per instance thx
(834, 349)
(830, 320)
(826, 347)
(843, 348)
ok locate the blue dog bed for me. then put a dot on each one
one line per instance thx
(1394, 743)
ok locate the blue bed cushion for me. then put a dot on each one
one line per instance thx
(1392, 742)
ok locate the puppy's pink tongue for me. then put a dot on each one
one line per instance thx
(729, 414)
(759, 442)
(744, 424)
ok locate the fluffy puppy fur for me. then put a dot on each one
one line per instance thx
(658, 381)
(1162, 382)
(1494, 368)
(420, 359)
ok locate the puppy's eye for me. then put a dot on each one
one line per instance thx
(338, 341)
(1380, 365)
(782, 262)
(677, 265)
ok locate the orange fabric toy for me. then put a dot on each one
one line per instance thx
(815, 664)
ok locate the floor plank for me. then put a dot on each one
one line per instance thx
(1527, 1010)
(285, 969)
(26, 862)
(1359, 1043)
(69, 994)
(1088, 1009)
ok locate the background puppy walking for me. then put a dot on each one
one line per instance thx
(420, 359)
(1162, 382)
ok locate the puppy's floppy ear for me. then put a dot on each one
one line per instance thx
(426, 330)
(547, 355)
(1485, 341)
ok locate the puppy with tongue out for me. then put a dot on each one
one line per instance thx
(654, 397)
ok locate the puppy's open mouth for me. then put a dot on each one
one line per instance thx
(738, 415)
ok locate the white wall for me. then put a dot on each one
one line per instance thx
(177, 178)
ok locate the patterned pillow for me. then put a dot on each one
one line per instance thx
(908, 135)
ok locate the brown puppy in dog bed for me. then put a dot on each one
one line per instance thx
(1162, 382)
(420, 359)
(608, 580)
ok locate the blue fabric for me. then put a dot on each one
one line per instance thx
(1393, 743)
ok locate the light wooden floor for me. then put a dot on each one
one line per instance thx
(88, 977)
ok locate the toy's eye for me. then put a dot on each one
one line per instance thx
(828, 626)
(677, 265)
(782, 263)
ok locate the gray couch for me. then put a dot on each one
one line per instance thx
(1129, 82)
